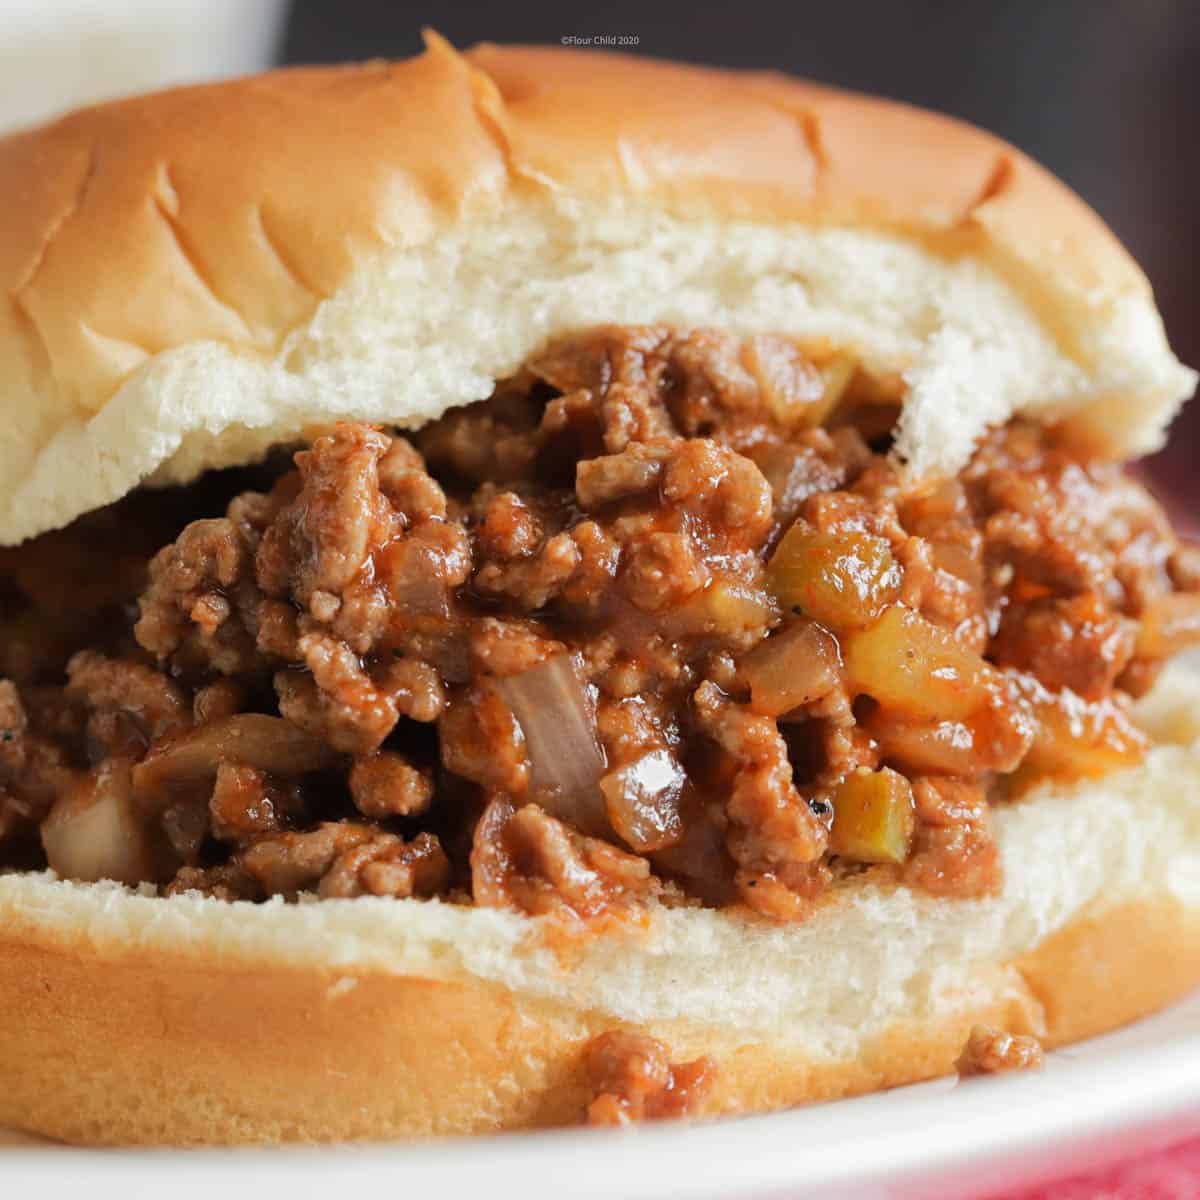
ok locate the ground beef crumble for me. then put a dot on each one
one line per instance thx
(633, 1080)
(660, 619)
(989, 1051)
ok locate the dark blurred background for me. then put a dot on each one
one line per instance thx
(1104, 92)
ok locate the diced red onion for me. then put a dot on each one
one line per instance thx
(558, 720)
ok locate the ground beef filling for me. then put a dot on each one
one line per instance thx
(659, 619)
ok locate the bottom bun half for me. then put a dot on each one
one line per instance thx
(131, 1019)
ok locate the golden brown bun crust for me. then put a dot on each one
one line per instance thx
(768, 146)
(196, 195)
(147, 1050)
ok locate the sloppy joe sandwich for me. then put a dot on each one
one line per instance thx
(539, 583)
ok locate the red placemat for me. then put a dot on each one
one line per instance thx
(1172, 1174)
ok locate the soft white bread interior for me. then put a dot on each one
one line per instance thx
(132, 1018)
(191, 277)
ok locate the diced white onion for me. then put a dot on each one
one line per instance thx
(250, 739)
(94, 832)
(566, 760)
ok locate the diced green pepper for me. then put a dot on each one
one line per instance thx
(843, 580)
(873, 817)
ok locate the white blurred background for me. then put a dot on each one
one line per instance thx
(59, 54)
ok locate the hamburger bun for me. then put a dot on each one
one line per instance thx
(197, 276)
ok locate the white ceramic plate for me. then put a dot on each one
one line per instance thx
(1095, 1103)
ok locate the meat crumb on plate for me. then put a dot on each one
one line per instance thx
(990, 1051)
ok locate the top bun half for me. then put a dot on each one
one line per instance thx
(194, 276)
